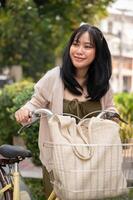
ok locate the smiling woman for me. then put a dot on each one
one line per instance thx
(87, 63)
(79, 86)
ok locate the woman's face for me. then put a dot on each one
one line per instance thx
(82, 52)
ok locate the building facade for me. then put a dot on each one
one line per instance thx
(118, 30)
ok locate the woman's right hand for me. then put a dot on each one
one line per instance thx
(23, 115)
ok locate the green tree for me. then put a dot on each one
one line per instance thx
(33, 33)
(63, 16)
(22, 40)
(124, 103)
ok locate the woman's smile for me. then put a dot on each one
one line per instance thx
(78, 58)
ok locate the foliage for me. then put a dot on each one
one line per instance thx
(30, 135)
(124, 103)
(33, 33)
(36, 187)
(23, 40)
(8, 126)
(12, 97)
(64, 16)
(31, 140)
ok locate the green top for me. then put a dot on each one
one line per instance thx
(80, 108)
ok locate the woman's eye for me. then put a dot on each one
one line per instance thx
(88, 46)
(75, 43)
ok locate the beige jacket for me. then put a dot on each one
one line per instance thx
(48, 93)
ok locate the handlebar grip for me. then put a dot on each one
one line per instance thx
(35, 116)
(43, 111)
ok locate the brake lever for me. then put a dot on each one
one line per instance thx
(35, 118)
(110, 115)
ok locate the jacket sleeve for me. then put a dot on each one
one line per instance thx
(108, 102)
(38, 100)
(42, 94)
(43, 90)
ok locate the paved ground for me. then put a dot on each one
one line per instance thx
(28, 169)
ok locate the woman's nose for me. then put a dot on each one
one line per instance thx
(80, 49)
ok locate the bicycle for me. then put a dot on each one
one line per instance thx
(10, 180)
(58, 169)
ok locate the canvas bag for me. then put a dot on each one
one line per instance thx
(86, 172)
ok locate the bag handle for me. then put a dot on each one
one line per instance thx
(65, 131)
(72, 115)
(80, 119)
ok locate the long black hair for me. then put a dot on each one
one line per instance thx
(100, 69)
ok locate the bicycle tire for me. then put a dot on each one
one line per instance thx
(4, 180)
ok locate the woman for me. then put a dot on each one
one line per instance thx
(79, 86)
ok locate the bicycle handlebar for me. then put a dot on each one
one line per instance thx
(42, 111)
(36, 114)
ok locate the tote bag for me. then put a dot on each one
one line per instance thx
(86, 158)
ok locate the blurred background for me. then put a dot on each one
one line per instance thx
(118, 29)
(33, 34)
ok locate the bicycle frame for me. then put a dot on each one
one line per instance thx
(52, 196)
(16, 182)
(15, 185)
(7, 185)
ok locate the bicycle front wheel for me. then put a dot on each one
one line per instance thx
(4, 181)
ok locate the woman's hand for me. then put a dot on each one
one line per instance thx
(23, 115)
